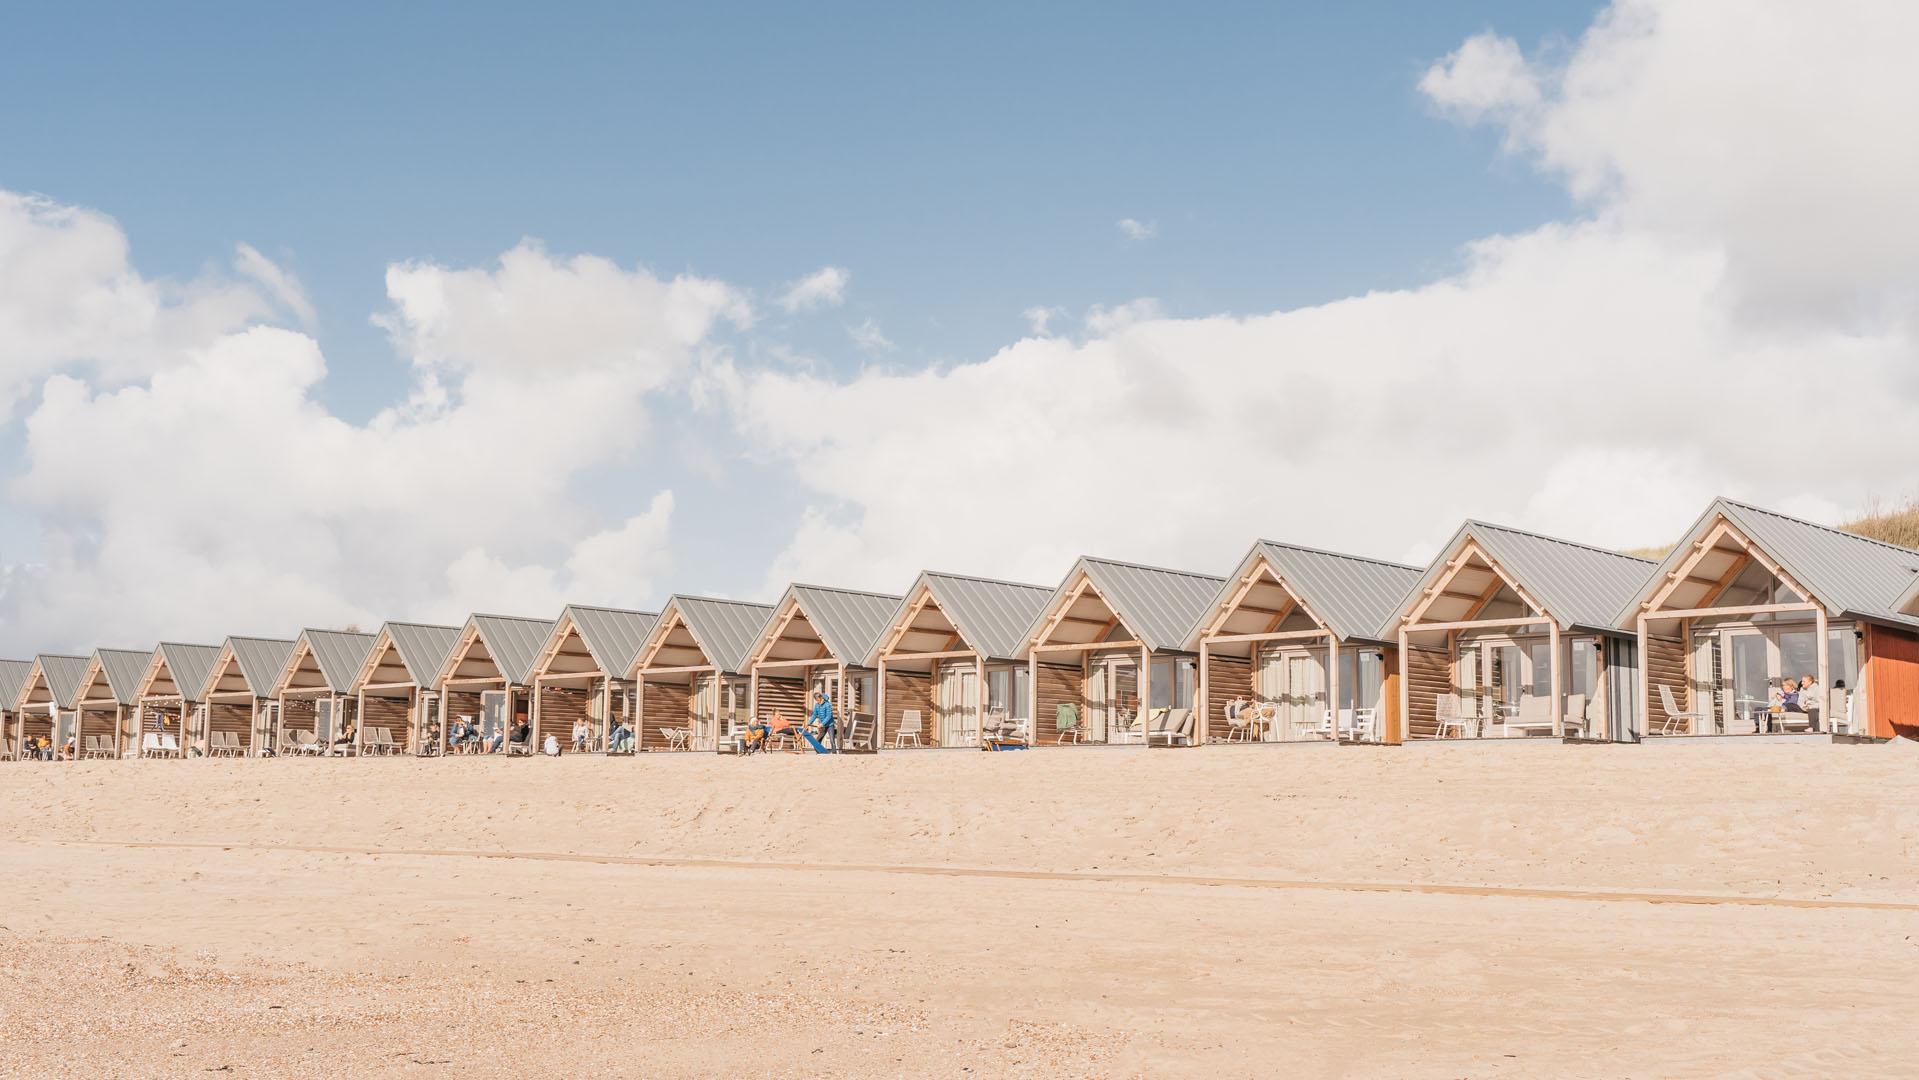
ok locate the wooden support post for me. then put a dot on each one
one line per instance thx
(1405, 693)
(879, 707)
(979, 699)
(1824, 670)
(1332, 682)
(1557, 681)
(1032, 696)
(1145, 713)
(1642, 722)
(1203, 707)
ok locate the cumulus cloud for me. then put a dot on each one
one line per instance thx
(1743, 268)
(70, 299)
(219, 496)
(1134, 229)
(825, 287)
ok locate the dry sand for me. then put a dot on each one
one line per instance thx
(1533, 910)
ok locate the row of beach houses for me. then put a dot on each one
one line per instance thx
(1505, 635)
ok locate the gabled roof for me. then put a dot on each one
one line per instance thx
(848, 622)
(124, 668)
(187, 665)
(423, 648)
(1577, 585)
(1158, 605)
(63, 675)
(13, 679)
(513, 642)
(613, 635)
(990, 616)
(725, 631)
(1846, 573)
(339, 653)
(260, 661)
(1354, 596)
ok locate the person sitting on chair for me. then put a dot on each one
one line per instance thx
(1811, 696)
(622, 738)
(344, 740)
(582, 735)
(522, 735)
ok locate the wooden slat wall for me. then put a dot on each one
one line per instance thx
(296, 714)
(1665, 665)
(1057, 684)
(1429, 673)
(1892, 681)
(666, 705)
(393, 715)
(1227, 677)
(105, 722)
(786, 695)
(911, 690)
(234, 717)
(560, 707)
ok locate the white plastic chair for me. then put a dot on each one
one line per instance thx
(1676, 717)
(1446, 711)
(1238, 727)
(909, 729)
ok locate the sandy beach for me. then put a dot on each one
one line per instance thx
(1443, 911)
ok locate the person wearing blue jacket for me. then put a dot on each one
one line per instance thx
(820, 719)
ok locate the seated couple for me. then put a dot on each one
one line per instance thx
(1804, 696)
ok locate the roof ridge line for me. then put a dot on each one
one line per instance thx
(1836, 530)
(1342, 555)
(990, 580)
(842, 589)
(1144, 566)
(1559, 540)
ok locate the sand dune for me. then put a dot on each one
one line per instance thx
(1426, 911)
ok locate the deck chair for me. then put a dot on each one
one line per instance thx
(1535, 715)
(1575, 722)
(909, 729)
(1238, 728)
(94, 746)
(1066, 722)
(675, 737)
(1677, 718)
(1175, 728)
(1359, 728)
(304, 742)
(1450, 719)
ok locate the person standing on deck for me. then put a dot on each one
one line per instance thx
(821, 720)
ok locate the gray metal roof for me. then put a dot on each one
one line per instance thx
(1158, 605)
(339, 654)
(726, 630)
(1353, 594)
(124, 669)
(13, 679)
(848, 622)
(423, 648)
(513, 642)
(189, 665)
(260, 661)
(613, 635)
(991, 616)
(1848, 574)
(1578, 585)
(63, 675)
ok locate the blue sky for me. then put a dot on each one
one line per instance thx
(965, 164)
(1339, 275)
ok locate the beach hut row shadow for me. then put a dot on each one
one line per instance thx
(1506, 636)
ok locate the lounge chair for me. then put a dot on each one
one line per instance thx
(1450, 719)
(675, 737)
(909, 728)
(1175, 728)
(1677, 718)
(1533, 717)
(1066, 722)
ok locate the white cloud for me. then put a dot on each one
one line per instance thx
(279, 282)
(867, 336)
(1133, 229)
(218, 496)
(825, 287)
(1041, 318)
(71, 299)
(1735, 312)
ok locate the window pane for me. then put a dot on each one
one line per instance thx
(1022, 686)
(1798, 654)
(1162, 685)
(1542, 660)
(1188, 674)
